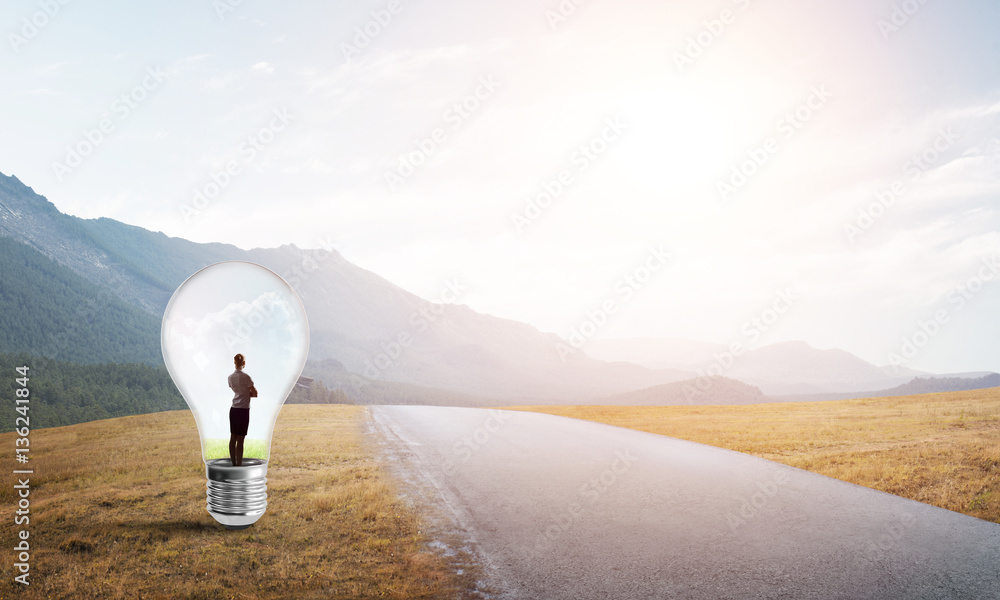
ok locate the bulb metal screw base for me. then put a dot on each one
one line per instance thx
(237, 496)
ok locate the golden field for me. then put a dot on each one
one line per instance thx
(940, 449)
(118, 511)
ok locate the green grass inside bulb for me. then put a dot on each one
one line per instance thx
(219, 448)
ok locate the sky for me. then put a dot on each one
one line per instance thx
(749, 171)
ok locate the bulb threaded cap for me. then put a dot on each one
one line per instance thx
(237, 496)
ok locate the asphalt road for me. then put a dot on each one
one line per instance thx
(555, 508)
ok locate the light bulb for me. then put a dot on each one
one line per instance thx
(222, 310)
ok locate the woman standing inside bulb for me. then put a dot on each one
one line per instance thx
(239, 414)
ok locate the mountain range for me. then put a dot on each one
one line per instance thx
(782, 368)
(106, 285)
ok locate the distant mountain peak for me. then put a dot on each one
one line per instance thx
(793, 366)
(791, 345)
(16, 196)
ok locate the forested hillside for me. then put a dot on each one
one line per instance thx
(48, 310)
(65, 393)
(929, 385)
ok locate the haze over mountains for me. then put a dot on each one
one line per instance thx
(777, 369)
(357, 318)
(369, 337)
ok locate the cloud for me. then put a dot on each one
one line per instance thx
(41, 92)
(222, 81)
(263, 67)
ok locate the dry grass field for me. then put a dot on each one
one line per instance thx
(941, 449)
(118, 511)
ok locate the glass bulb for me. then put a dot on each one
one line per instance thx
(222, 310)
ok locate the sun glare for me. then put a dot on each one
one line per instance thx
(675, 140)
